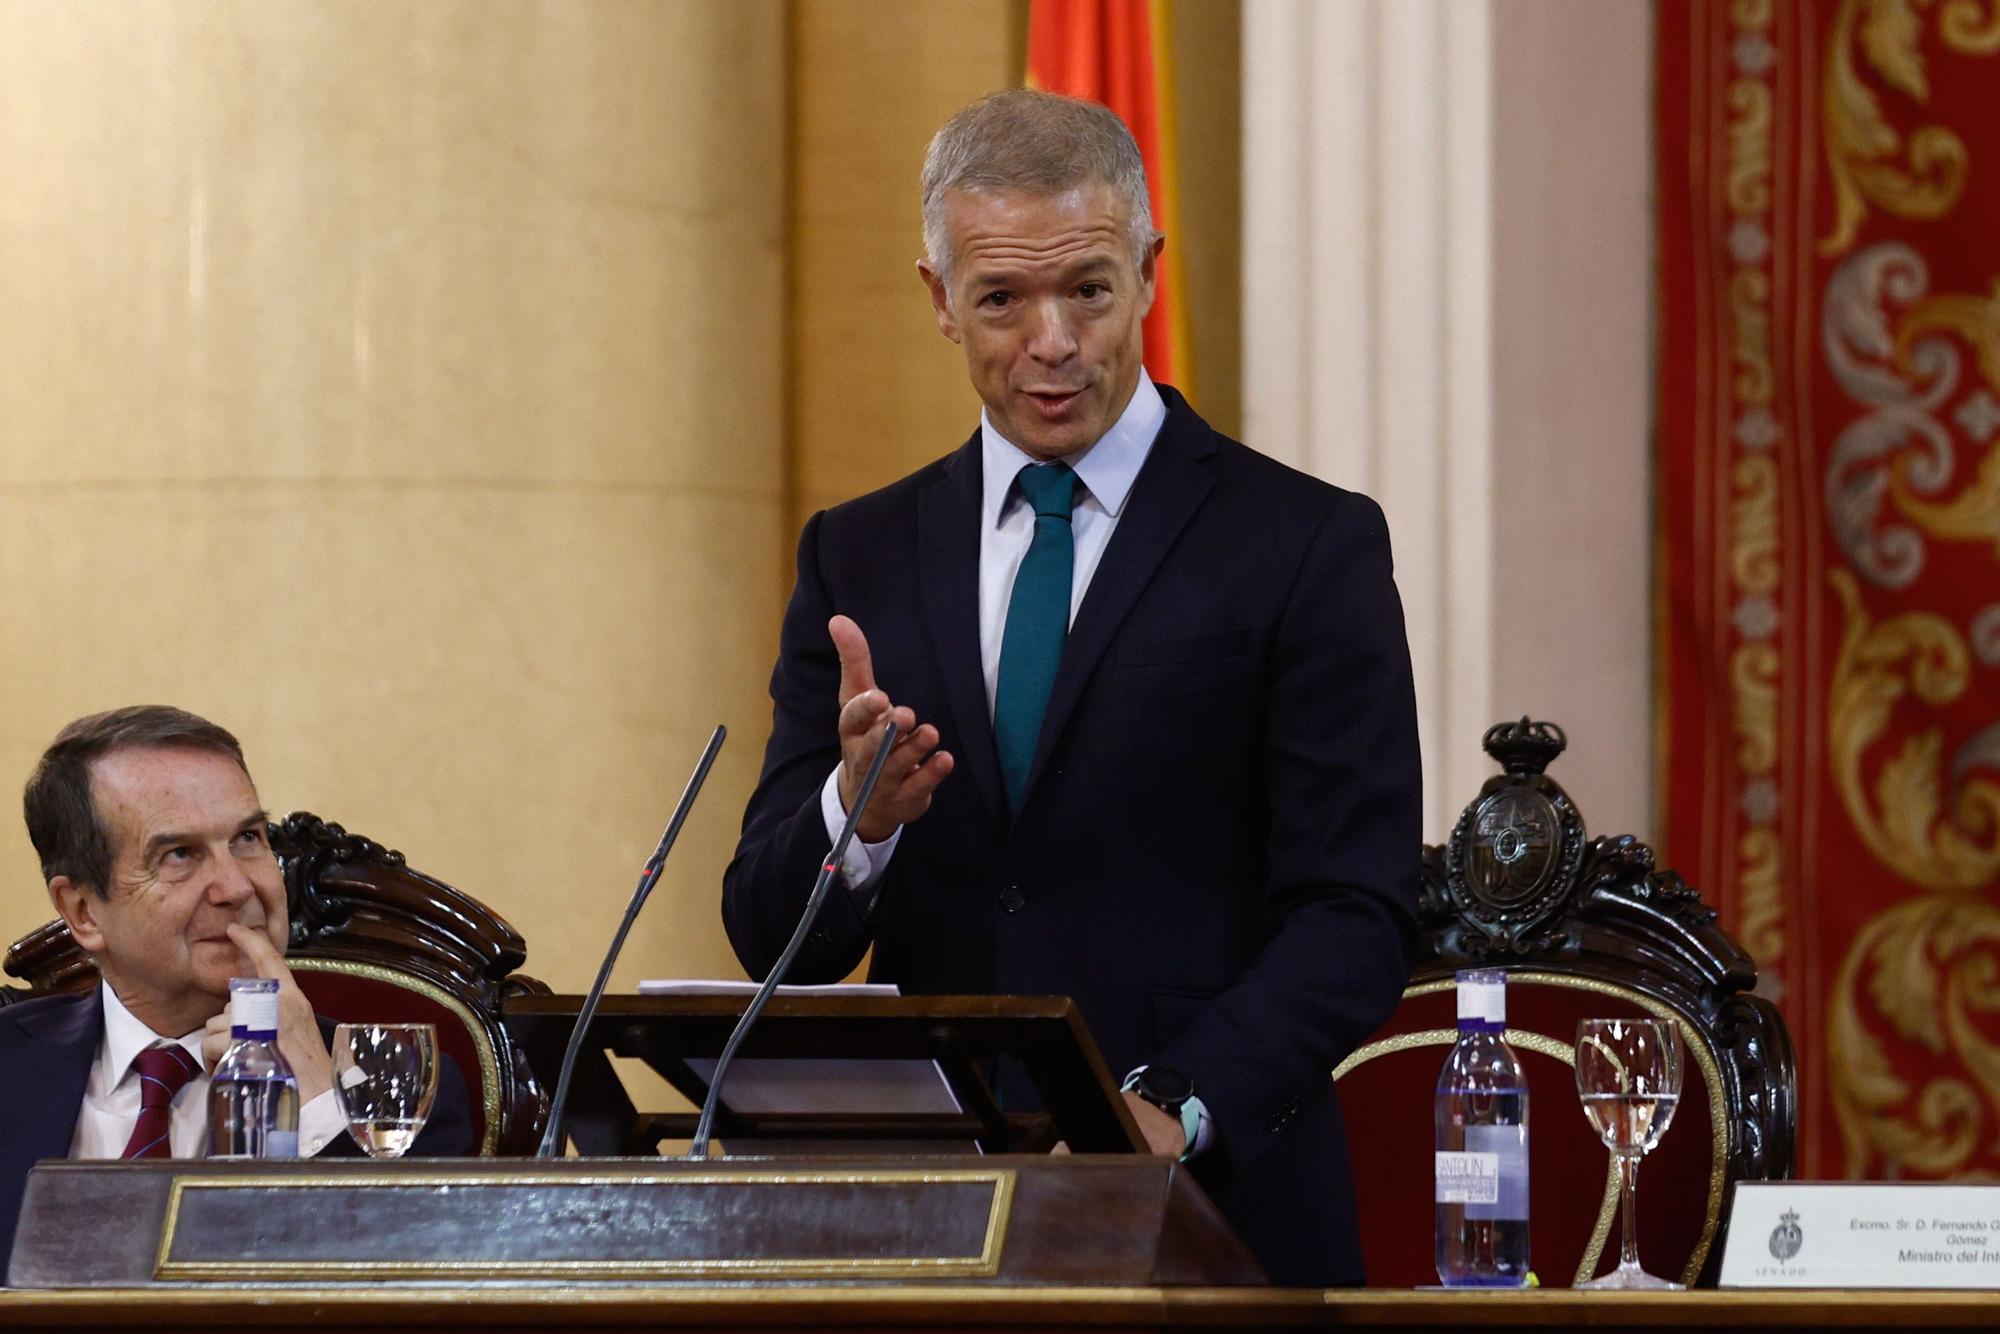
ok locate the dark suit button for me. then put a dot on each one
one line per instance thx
(1012, 899)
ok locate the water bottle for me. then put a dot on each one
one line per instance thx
(1482, 1145)
(253, 1097)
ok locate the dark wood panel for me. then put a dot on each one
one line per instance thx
(1059, 1222)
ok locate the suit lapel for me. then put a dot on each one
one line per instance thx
(1169, 489)
(45, 1074)
(948, 546)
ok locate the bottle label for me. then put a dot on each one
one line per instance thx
(1507, 1146)
(1468, 1178)
(253, 1012)
(1482, 998)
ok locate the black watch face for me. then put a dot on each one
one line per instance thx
(1166, 1085)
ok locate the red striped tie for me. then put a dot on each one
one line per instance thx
(163, 1071)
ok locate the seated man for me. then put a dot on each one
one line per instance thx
(154, 846)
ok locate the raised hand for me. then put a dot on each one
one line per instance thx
(298, 1028)
(915, 767)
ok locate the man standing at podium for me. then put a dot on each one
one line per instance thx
(155, 849)
(1158, 740)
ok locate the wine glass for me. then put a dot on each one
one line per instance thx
(385, 1077)
(1628, 1073)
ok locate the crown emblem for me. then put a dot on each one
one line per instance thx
(1786, 1238)
(1525, 747)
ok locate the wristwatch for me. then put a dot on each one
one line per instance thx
(1163, 1086)
(1173, 1093)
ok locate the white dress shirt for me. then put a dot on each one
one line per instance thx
(110, 1108)
(1107, 470)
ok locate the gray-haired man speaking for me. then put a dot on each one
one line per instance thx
(1158, 731)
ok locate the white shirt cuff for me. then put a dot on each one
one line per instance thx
(863, 863)
(320, 1123)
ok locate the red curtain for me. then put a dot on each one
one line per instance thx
(1829, 544)
(1117, 52)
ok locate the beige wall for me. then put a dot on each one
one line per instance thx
(398, 384)
(432, 394)
(1208, 114)
(876, 389)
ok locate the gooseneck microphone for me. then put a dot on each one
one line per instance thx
(648, 877)
(704, 1127)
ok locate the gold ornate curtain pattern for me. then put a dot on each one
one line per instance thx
(1829, 543)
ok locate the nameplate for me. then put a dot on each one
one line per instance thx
(785, 1225)
(1851, 1234)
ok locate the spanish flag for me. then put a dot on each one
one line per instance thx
(1118, 52)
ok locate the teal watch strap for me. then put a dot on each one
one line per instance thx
(1190, 1126)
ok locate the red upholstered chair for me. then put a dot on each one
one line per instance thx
(373, 939)
(1584, 928)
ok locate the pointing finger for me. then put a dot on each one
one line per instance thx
(857, 667)
(258, 949)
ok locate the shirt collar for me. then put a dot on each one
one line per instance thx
(126, 1035)
(1107, 468)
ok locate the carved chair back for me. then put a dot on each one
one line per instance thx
(373, 939)
(1583, 928)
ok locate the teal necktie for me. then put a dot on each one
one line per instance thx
(1037, 623)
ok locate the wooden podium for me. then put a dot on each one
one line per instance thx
(964, 1035)
(1000, 1220)
(1104, 1216)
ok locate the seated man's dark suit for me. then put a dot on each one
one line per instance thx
(47, 1046)
(1218, 848)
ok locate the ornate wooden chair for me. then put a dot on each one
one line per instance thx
(374, 939)
(1584, 928)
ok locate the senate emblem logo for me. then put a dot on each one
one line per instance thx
(1786, 1237)
(1515, 843)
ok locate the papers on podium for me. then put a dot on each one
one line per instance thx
(823, 1086)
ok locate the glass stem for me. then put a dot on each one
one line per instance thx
(1628, 1199)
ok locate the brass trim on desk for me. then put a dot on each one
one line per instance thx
(1554, 1309)
(984, 1264)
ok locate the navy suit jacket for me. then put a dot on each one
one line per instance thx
(1217, 854)
(46, 1048)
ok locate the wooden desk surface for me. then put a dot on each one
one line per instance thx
(863, 1308)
